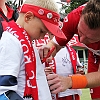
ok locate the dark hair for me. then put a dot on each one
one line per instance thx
(91, 14)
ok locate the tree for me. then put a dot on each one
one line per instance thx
(14, 3)
(66, 8)
(75, 3)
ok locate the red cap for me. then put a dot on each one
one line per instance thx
(48, 17)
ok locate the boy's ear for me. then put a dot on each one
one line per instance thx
(28, 16)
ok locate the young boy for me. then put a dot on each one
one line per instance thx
(21, 72)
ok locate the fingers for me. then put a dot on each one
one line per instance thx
(49, 59)
(56, 88)
(54, 83)
(58, 83)
(48, 70)
(43, 51)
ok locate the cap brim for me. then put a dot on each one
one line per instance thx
(54, 29)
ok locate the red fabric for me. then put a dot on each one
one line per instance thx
(49, 18)
(41, 13)
(95, 92)
(10, 12)
(69, 97)
(41, 42)
(93, 67)
(5, 24)
(75, 41)
(68, 1)
(70, 25)
(73, 57)
(29, 57)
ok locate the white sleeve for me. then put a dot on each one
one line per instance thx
(54, 40)
(43, 88)
(10, 55)
(78, 61)
(10, 62)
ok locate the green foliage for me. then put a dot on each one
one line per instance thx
(15, 3)
(74, 4)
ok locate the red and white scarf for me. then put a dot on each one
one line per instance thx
(39, 43)
(73, 57)
(72, 53)
(31, 90)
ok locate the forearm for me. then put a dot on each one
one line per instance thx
(57, 47)
(84, 81)
(93, 79)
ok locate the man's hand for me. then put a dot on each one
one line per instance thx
(58, 83)
(48, 70)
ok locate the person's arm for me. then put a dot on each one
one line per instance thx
(57, 46)
(43, 51)
(10, 57)
(59, 83)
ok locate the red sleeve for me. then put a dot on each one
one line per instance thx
(70, 25)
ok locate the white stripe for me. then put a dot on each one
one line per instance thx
(4, 89)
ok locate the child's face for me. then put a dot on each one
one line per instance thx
(34, 26)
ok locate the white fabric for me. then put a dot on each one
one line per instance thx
(44, 92)
(64, 68)
(54, 40)
(97, 52)
(12, 63)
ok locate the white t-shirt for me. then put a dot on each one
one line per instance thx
(12, 63)
(64, 68)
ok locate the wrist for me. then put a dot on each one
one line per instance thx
(69, 80)
(78, 81)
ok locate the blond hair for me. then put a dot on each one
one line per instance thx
(48, 4)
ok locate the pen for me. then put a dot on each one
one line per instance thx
(49, 53)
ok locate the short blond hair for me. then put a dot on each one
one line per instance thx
(48, 4)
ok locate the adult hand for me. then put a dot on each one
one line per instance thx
(58, 83)
(48, 70)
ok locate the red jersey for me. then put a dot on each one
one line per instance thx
(70, 28)
(70, 25)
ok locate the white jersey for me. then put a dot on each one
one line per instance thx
(64, 68)
(12, 63)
